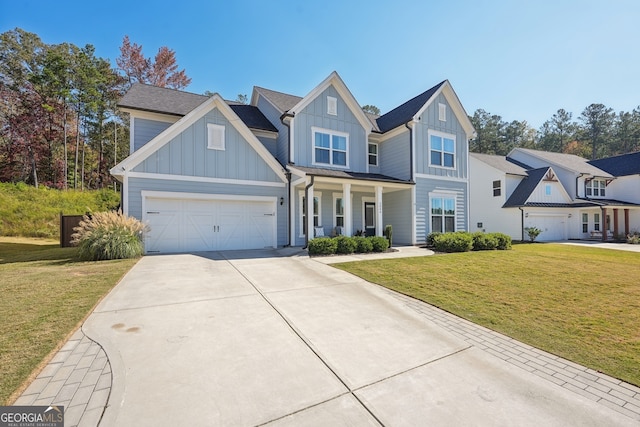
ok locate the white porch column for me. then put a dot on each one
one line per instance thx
(348, 210)
(309, 202)
(379, 221)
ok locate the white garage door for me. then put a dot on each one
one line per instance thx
(191, 225)
(553, 227)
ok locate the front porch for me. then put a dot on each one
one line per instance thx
(611, 221)
(347, 203)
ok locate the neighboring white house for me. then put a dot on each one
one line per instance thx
(564, 195)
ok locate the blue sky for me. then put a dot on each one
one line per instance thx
(521, 60)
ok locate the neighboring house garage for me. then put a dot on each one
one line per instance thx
(188, 223)
(553, 227)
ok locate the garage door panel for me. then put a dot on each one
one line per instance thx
(552, 226)
(204, 225)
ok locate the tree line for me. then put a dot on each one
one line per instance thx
(59, 124)
(598, 132)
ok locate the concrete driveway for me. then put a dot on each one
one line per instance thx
(251, 338)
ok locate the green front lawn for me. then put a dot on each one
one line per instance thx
(579, 303)
(46, 292)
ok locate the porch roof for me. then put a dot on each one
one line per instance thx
(332, 173)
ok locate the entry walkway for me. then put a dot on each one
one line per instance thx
(157, 308)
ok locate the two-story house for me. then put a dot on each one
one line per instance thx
(564, 195)
(209, 174)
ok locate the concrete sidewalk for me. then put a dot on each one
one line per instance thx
(248, 338)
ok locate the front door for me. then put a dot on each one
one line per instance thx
(369, 219)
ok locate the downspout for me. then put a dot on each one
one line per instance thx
(521, 222)
(577, 178)
(282, 118)
(410, 149)
(306, 203)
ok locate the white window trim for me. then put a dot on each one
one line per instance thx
(441, 135)
(316, 195)
(329, 132)
(332, 105)
(548, 190)
(442, 112)
(337, 196)
(494, 188)
(215, 131)
(377, 154)
(443, 195)
(600, 188)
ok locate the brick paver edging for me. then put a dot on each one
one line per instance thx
(78, 378)
(618, 395)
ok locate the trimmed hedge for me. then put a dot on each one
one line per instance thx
(462, 241)
(347, 245)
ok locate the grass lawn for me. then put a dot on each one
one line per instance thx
(46, 292)
(579, 303)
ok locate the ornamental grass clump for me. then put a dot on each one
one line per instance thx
(109, 235)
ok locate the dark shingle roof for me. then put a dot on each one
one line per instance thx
(623, 165)
(332, 173)
(178, 103)
(525, 188)
(160, 100)
(403, 113)
(502, 163)
(282, 101)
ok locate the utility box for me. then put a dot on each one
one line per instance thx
(67, 224)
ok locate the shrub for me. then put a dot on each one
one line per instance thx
(460, 241)
(109, 235)
(363, 245)
(322, 246)
(431, 237)
(345, 245)
(484, 241)
(388, 233)
(533, 232)
(379, 243)
(504, 241)
(634, 238)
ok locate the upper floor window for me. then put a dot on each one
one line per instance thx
(595, 187)
(215, 137)
(497, 188)
(373, 154)
(330, 147)
(332, 106)
(442, 112)
(442, 150)
(547, 189)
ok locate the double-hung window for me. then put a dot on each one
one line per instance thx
(497, 189)
(442, 150)
(330, 147)
(373, 154)
(596, 187)
(317, 218)
(443, 214)
(338, 212)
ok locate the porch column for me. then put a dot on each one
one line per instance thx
(348, 210)
(379, 221)
(615, 223)
(604, 224)
(626, 222)
(309, 202)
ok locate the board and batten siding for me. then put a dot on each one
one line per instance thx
(430, 120)
(315, 115)
(425, 187)
(137, 185)
(394, 156)
(282, 141)
(187, 154)
(144, 130)
(395, 212)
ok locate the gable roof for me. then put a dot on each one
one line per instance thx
(525, 188)
(405, 112)
(215, 101)
(623, 165)
(175, 102)
(282, 101)
(501, 163)
(567, 161)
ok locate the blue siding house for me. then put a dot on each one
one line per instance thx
(210, 174)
